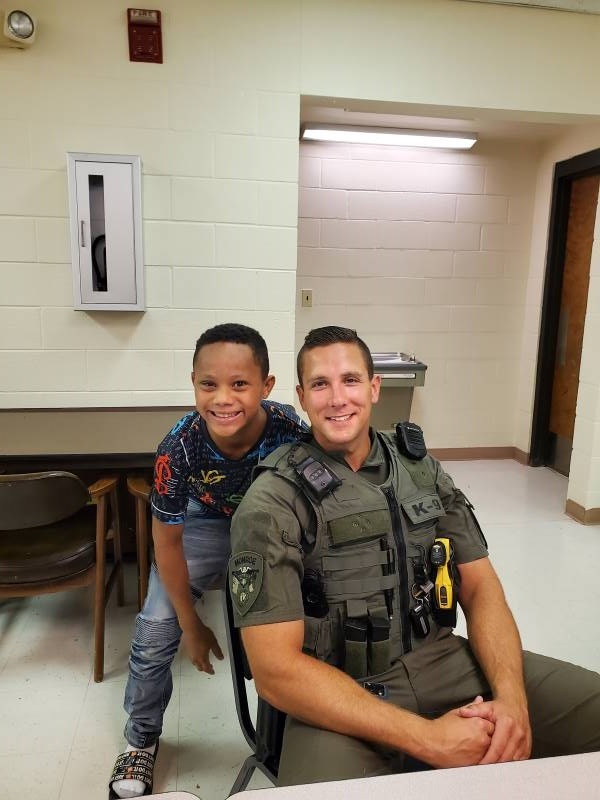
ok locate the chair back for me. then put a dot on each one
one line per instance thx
(39, 498)
(266, 738)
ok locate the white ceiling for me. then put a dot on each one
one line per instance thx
(583, 6)
(487, 123)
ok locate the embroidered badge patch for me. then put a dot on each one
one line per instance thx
(245, 579)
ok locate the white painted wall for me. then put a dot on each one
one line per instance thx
(444, 52)
(216, 127)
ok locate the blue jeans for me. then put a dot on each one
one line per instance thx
(206, 547)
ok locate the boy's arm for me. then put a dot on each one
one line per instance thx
(198, 639)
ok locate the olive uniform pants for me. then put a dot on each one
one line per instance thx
(564, 711)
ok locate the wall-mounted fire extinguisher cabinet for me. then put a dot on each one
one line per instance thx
(106, 231)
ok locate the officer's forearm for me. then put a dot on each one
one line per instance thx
(493, 634)
(172, 568)
(325, 697)
(497, 648)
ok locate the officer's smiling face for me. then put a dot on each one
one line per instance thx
(337, 394)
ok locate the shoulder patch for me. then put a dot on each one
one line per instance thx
(245, 579)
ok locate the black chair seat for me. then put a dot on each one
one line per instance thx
(53, 535)
(49, 552)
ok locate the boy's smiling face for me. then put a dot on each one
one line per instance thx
(228, 387)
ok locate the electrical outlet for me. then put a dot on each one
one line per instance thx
(306, 298)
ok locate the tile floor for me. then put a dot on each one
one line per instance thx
(60, 732)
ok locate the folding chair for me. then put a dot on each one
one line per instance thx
(265, 739)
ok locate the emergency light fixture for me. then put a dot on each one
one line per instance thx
(18, 28)
(352, 134)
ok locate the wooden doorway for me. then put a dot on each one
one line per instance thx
(574, 203)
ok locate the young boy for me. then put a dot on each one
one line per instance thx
(201, 473)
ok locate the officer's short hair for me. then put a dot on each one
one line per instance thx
(238, 334)
(333, 334)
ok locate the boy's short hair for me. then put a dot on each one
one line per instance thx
(333, 334)
(237, 334)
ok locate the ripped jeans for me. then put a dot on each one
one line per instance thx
(206, 547)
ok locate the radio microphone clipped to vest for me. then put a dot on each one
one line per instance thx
(410, 441)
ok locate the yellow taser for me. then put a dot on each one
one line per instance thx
(441, 552)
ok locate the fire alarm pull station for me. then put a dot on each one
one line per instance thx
(145, 35)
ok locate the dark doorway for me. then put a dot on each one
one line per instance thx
(571, 235)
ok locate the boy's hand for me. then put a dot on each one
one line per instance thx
(199, 641)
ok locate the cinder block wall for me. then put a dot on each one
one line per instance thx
(426, 252)
(216, 127)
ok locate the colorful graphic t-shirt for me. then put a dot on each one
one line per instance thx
(189, 465)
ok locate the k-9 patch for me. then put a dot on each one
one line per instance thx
(245, 579)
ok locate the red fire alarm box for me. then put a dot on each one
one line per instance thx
(145, 35)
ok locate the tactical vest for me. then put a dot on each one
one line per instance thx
(370, 546)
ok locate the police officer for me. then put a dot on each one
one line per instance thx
(348, 552)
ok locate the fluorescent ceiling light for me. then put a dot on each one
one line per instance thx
(406, 138)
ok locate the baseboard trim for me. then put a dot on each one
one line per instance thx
(521, 456)
(588, 516)
(475, 453)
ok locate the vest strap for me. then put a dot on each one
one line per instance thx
(356, 608)
(377, 558)
(361, 586)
